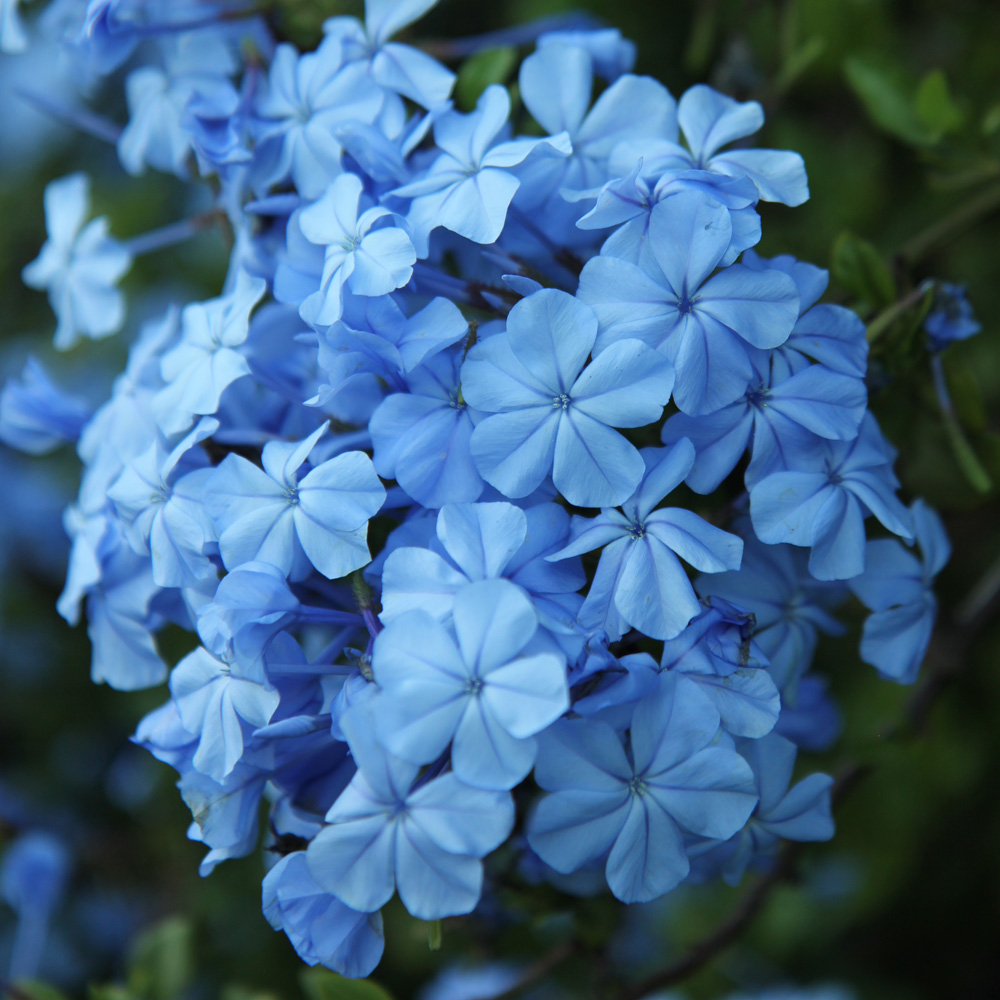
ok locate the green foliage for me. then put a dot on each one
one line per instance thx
(859, 269)
(162, 961)
(320, 984)
(480, 71)
(891, 100)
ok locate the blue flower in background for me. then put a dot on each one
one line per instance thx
(36, 416)
(399, 68)
(79, 265)
(951, 316)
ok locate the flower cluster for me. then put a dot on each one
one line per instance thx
(448, 483)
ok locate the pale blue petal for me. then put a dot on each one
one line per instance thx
(779, 174)
(434, 883)
(462, 819)
(688, 234)
(712, 793)
(839, 550)
(418, 579)
(555, 83)
(551, 334)
(494, 620)
(593, 465)
(648, 857)
(570, 828)
(481, 537)
(760, 306)
(582, 755)
(514, 451)
(895, 641)
(665, 471)
(626, 385)
(484, 754)
(528, 694)
(710, 120)
(354, 859)
(653, 593)
(697, 542)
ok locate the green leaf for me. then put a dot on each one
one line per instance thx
(991, 120)
(481, 70)
(320, 984)
(935, 107)
(108, 991)
(889, 100)
(799, 61)
(234, 991)
(967, 397)
(966, 458)
(862, 271)
(434, 935)
(161, 962)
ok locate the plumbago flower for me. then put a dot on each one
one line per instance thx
(79, 265)
(447, 362)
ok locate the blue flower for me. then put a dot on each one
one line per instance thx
(951, 316)
(36, 416)
(215, 697)
(790, 608)
(366, 260)
(484, 541)
(307, 98)
(897, 588)
(321, 928)
(79, 265)
(389, 831)
(717, 653)
(469, 186)
(780, 415)
(707, 328)
(640, 580)
(555, 85)
(554, 412)
(206, 361)
(271, 515)
(824, 505)
(421, 437)
(487, 696)
(159, 498)
(400, 68)
(632, 810)
(710, 120)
